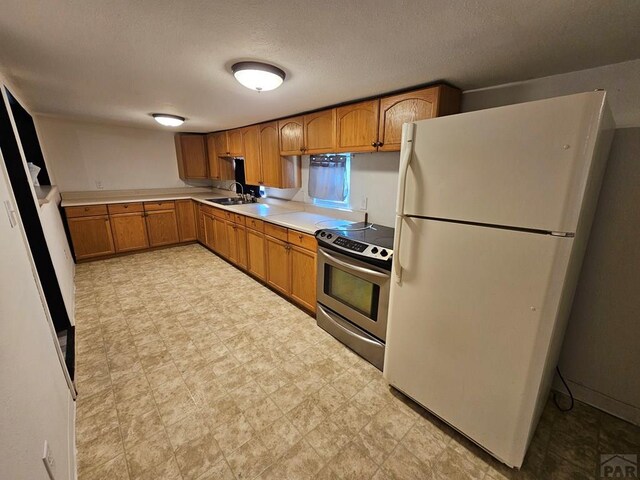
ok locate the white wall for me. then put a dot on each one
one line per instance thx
(374, 182)
(600, 353)
(121, 158)
(60, 252)
(35, 400)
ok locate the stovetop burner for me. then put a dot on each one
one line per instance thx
(367, 241)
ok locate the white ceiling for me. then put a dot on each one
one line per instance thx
(120, 60)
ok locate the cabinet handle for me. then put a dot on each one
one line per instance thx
(374, 144)
(380, 144)
(300, 237)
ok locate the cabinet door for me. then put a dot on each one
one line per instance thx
(235, 142)
(186, 216)
(357, 127)
(252, 163)
(221, 144)
(129, 232)
(291, 133)
(320, 132)
(212, 156)
(278, 275)
(221, 243)
(209, 231)
(303, 277)
(162, 227)
(91, 236)
(202, 237)
(270, 155)
(404, 108)
(232, 242)
(241, 245)
(256, 254)
(192, 156)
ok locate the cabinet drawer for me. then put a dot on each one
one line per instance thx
(255, 224)
(239, 219)
(302, 240)
(217, 212)
(150, 206)
(86, 211)
(206, 208)
(275, 231)
(125, 208)
(229, 216)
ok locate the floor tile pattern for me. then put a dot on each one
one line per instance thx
(189, 369)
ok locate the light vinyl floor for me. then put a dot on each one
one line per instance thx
(189, 369)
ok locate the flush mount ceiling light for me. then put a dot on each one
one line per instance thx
(258, 76)
(168, 120)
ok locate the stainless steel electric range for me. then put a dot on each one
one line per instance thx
(354, 266)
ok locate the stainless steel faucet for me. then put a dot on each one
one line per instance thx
(241, 188)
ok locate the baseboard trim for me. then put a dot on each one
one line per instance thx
(600, 401)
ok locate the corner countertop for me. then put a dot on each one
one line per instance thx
(294, 215)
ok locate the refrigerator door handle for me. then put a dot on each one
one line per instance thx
(397, 268)
(405, 160)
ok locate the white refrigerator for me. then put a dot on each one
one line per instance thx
(494, 210)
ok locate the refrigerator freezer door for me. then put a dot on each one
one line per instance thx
(522, 165)
(470, 325)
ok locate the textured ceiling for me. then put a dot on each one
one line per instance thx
(119, 60)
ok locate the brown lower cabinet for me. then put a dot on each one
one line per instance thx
(102, 230)
(291, 268)
(129, 231)
(187, 222)
(237, 244)
(162, 227)
(256, 255)
(283, 258)
(221, 245)
(278, 274)
(302, 267)
(91, 236)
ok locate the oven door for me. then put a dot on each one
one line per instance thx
(356, 290)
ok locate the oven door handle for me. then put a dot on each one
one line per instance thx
(348, 329)
(352, 267)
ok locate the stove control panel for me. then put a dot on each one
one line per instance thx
(353, 246)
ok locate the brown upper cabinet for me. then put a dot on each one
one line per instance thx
(228, 143)
(308, 134)
(357, 127)
(263, 164)
(235, 142)
(320, 132)
(252, 161)
(191, 151)
(367, 126)
(221, 144)
(291, 133)
(212, 155)
(270, 159)
(396, 110)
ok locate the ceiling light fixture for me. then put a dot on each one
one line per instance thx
(258, 76)
(168, 120)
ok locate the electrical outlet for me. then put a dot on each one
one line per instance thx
(99, 185)
(363, 202)
(49, 461)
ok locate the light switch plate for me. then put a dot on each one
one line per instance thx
(48, 460)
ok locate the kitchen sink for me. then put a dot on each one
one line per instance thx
(228, 201)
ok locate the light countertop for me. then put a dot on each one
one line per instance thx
(292, 215)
